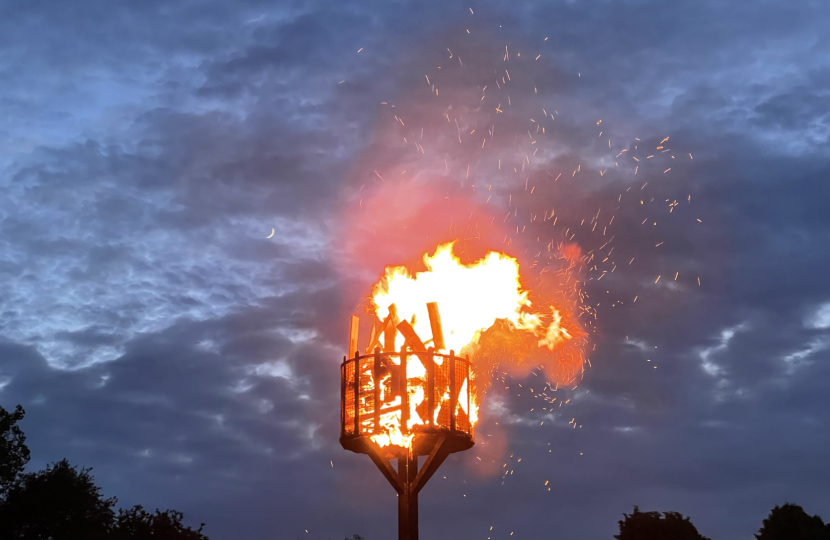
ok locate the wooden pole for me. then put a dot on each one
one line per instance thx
(408, 481)
(408, 499)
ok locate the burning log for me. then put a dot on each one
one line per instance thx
(353, 329)
(412, 340)
(374, 337)
(390, 333)
(435, 326)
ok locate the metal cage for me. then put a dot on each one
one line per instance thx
(389, 384)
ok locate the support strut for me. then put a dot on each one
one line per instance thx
(408, 481)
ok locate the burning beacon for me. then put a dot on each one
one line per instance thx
(409, 393)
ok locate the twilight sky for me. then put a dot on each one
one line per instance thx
(153, 332)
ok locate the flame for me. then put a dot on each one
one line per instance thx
(486, 295)
(471, 297)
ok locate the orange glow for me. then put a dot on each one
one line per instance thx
(472, 298)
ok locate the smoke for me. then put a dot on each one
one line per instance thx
(474, 151)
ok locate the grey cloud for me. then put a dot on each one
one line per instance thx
(151, 148)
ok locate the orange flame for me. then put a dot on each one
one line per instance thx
(472, 298)
(485, 298)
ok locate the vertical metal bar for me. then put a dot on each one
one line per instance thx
(356, 395)
(343, 397)
(404, 391)
(431, 386)
(469, 393)
(376, 396)
(453, 391)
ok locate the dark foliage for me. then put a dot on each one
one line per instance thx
(62, 502)
(58, 502)
(791, 522)
(136, 523)
(14, 454)
(656, 526)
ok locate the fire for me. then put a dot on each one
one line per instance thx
(472, 298)
(482, 298)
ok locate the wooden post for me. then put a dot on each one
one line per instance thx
(373, 336)
(408, 481)
(435, 325)
(408, 499)
(390, 330)
(353, 328)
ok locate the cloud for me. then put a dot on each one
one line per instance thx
(153, 332)
(797, 359)
(820, 318)
(707, 363)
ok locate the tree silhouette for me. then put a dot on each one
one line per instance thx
(791, 522)
(14, 454)
(62, 502)
(58, 502)
(138, 524)
(656, 526)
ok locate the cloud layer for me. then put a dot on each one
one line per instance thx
(152, 331)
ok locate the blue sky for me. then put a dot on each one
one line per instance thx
(153, 333)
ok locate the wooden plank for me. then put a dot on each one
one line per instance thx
(353, 329)
(414, 342)
(390, 332)
(373, 334)
(411, 337)
(435, 324)
(377, 335)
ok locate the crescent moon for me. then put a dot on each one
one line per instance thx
(270, 235)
